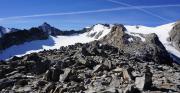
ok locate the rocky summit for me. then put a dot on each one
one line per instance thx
(117, 63)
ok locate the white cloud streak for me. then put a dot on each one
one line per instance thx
(87, 12)
(140, 9)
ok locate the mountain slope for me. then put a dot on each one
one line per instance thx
(95, 32)
(149, 50)
(116, 63)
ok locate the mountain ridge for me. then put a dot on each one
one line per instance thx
(87, 35)
(14, 36)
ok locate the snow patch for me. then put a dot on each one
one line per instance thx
(130, 39)
(99, 31)
(137, 35)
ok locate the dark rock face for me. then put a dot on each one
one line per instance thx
(116, 37)
(157, 50)
(21, 36)
(48, 29)
(93, 67)
(2, 30)
(175, 36)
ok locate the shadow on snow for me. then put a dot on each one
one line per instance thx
(24, 48)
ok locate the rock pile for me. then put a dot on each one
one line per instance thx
(100, 66)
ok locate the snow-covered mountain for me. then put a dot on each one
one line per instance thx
(45, 27)
(95, 32)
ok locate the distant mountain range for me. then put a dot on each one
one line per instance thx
(12, 36)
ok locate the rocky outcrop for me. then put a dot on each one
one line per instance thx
(150, 50)
(175, 36)
(117, 36)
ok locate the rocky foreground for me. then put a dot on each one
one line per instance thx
(118, 63)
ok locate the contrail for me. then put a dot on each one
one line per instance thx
(90, 11)
(141, 9)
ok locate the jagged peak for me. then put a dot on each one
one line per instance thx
(45, 24)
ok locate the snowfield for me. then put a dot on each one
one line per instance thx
(53, 43)
(39, 45)
(57, 42)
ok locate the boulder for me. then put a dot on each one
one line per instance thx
(22, 82)
(41, 67)
(127, 76)
(57, 89)
(64, 77)
(116, 82)
(52, 74)
(6, 83)
(131, 89)
(144, 82)
(100, 67)
(108, 64)
(140, 82)
(25, 89)
(49, 88)
(41, 83)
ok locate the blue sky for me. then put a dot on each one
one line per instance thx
(76, 14)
